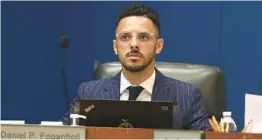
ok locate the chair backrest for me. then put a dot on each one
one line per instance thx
(209, 79)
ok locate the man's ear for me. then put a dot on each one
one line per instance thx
(114, 46)
(159, 45)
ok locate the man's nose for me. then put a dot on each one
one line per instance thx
(134, 43)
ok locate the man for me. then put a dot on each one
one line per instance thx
(137, 42)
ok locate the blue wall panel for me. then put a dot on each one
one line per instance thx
(225, 34)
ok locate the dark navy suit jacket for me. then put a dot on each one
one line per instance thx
(190, 113)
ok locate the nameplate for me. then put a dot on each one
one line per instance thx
(42, 132)
(177, 134)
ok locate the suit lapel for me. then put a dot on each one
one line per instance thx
(112, 89)
(161, 89)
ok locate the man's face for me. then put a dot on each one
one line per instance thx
(136, 43)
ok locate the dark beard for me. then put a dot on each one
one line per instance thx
(137, 68)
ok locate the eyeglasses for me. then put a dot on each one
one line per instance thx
(141, 37)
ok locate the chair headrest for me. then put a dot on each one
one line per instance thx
(190, 73)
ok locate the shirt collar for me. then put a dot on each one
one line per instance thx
(147, 84)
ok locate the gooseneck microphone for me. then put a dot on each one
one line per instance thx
(64, 41)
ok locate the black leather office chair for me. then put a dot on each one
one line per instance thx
(210, 79)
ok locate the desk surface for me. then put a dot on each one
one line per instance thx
(137, 133)
(43, 132)
(234, 135)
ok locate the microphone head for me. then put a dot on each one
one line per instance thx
(64, 40)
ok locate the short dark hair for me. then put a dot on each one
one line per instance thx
(140, 10)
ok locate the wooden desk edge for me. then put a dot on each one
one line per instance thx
(140, 133)
(118, 133)
(232, 135)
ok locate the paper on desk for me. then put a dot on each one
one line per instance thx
(12, 122)
(253, 110)
(54, 123)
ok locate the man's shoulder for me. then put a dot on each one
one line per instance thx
(88, 87)
(90, 83)
(182, 87)
(173, 82)
(94, 83)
